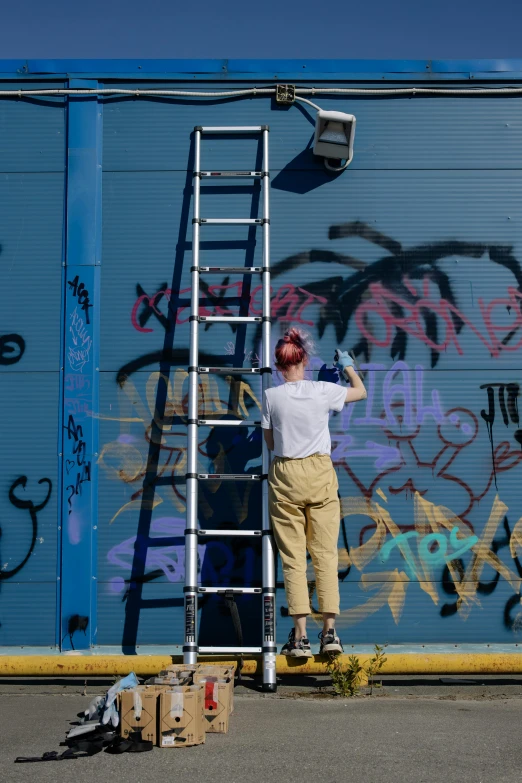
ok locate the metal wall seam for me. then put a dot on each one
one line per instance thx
(96, 361)
(81, 374)
(61, 395)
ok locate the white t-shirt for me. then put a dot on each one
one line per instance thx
(297, 412)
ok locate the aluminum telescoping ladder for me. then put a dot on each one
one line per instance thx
(192, 533)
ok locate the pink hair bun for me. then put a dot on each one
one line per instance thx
(293, 348)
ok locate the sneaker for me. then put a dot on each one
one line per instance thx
(296, 649)
(330, 643)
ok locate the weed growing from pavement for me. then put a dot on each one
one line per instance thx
(375, 665)
(347, 679)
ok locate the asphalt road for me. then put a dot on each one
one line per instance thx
(401, 736)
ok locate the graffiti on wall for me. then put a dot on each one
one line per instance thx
(12, 348)
(78, 469)
(79, 390)
(426, 468)
(8, 570)
(79, 349)
(78, 395)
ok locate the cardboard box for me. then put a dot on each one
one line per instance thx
(217, 704)
(138, 712)
(183, 673)
(169, 679)
(181, 717)
(221, 673)
(181, 667)
(214, 670)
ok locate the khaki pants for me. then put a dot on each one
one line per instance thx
(305, 513)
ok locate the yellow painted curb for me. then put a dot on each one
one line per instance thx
(397, 663)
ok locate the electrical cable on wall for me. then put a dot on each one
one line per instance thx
(258, 91)
(334, 132)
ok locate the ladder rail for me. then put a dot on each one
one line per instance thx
(268, 556)
(191, 540)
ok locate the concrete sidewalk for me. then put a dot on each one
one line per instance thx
(413, 731)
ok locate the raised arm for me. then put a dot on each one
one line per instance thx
(344, 363)
(357, 390)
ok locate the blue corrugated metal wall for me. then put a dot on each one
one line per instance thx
(412, 256)
(32, 162)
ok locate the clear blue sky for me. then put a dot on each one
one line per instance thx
(377, 29)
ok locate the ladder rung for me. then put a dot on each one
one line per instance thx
(232, 129)
(229, 423)
(231, 174)
(231, 221)
(230, 370)
(231, 319)
(229, 650)
(234, 590)
(229, 476)
(207, 533)
(239, 270)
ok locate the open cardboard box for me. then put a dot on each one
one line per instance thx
(139, 712)
(217, 696)
(221, 673)
(181, 717)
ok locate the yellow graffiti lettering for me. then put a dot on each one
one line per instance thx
(392, 593)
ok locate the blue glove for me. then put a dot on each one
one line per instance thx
(110, 713)
(342, 360)
(328, 374)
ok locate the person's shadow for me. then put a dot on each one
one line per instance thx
(231, 562)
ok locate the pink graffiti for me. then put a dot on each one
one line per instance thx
(288, 303)
(385, 304)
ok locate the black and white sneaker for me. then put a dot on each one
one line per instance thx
(330, 643)
(296, 649)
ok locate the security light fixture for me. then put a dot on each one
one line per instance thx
(334, 135)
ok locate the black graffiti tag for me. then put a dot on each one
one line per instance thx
(33, 509)
(150, 305)
(76, 622)
(508, 408)
(81, 293)
(79, 451)
(344, 295)
(12, 347)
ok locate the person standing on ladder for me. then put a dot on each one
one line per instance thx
(303, 500)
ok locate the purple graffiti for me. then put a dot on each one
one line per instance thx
(169, 559)
(384, 456)
(408, 391)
